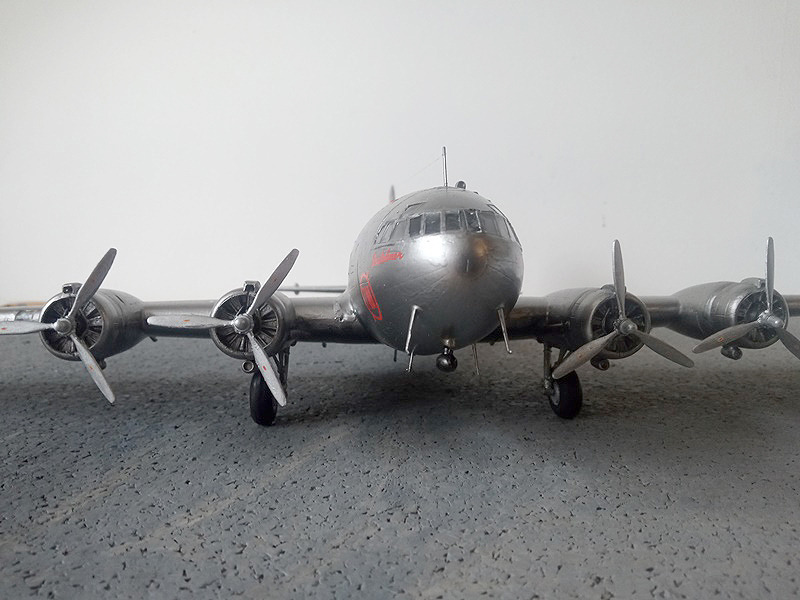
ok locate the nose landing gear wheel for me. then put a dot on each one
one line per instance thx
(566, 398)
(446, 361)
(263, 405)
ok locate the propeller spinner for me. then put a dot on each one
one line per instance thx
(67, 325)
(243, 324)
(767, 318)
(623, 326)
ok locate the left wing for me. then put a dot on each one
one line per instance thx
(598, 324)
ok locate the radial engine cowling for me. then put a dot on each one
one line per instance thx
(108, 324)
(578, 316)
(272, 322)
(711, 307)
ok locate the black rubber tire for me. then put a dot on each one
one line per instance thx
(263, 405)
(567, 398)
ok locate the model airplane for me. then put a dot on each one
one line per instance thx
(432, 272)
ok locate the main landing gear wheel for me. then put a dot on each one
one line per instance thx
(565, 393)
(263, 405)
(566, 397)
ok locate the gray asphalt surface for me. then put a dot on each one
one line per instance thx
(672, 483)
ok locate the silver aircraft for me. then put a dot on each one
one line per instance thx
(431, 273)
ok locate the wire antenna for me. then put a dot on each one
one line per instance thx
(444, 164)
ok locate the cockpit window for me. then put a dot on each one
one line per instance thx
(452, 221)
(433, 223)
(501, 222)
(414, 226)
(513, 233)
(473, 225)
(399, 230)
(383, 232)
(506, 229)
(411, 207)
(489, 223)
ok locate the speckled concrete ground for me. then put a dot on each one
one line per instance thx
(373, 483)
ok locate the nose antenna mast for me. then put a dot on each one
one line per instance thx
(444, 164)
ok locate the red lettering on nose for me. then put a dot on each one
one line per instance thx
(386, 256)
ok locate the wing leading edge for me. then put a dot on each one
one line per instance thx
(748, 314)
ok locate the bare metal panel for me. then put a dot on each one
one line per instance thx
(20, 313)
(315, 321)
(663, 309)
(170, 308)
(794, 305)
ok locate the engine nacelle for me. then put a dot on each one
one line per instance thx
(110, 323)
(272, 322)
(578, 316)
(711, 307)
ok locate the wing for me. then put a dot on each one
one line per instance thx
(597, 324)
(315, 319)
(116, 321)
(315, 289)
(255, 323)
(551, 317)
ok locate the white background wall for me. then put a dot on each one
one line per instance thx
(205, 139)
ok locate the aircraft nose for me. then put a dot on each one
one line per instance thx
(462, 257)
(473, 257)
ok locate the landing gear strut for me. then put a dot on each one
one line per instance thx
(565, 394)
(263, 405)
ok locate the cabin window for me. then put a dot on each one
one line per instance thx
(452, 221)
(473, 225)
(415, 226)
(433, 223)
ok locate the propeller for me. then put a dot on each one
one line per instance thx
(67, 325)
(243, 324)
(622, 326)
(766, 319)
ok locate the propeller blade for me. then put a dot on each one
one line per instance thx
(726, 336)
(92, 283)
(583, 355)
(619, 278)
(18, 327)
(267, 371)
(186, 322)
(770, 282)
(91, 365)
(664, 349)
(272, 284)
(790, 341)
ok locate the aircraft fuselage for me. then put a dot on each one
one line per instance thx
(445, 255)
